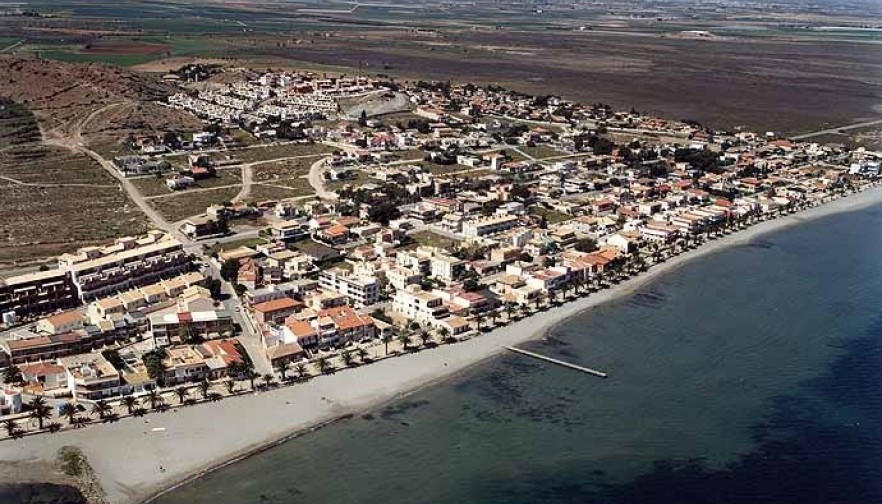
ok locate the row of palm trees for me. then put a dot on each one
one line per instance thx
(42, 412)
(78, 417)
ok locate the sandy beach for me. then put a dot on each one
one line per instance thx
(133, 461)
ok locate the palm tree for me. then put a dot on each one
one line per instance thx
(346, 356)
(300, 369)
(494, 315)
(231, 386)
(269, 380)
(155, 399)
(404, 339)
(79, 422)
(251, 375)
(13, 376)
(68, 410)
(102, 409)
(40, 411)
(12, 429)
(182, 394)
(509, 310)
(324, 366)
(479, 320)
(362, 354)
(282, 368)
(445, 334)
(425, 337)
(386, 338)
(204, 388)
(129, 401)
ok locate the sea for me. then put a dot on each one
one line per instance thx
(752, 375)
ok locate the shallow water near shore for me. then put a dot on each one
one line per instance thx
(751, 375)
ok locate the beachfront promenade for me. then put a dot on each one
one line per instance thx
(186, 445)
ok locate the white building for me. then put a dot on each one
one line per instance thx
(420, 306)
(485, 226)
(361, 290)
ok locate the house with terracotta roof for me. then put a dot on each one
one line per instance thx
(277, 310)
(46, 376)
(350, 325)
(300, 332)
(337, 234)
(61, 323)
(219, 355)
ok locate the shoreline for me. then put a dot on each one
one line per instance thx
(137, 464)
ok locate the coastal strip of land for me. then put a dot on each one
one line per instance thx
(137, 458)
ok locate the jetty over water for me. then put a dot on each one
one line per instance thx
(559, 362)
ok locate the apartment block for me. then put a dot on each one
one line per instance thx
(420, 306)
(486, 226)
(361, 290)
(37, 293)
(128, 263)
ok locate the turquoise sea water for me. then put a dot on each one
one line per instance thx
(753, 375)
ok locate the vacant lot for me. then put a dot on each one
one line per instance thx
(551, 216)
(431, 239)
(542, 151)
(53, 201)
(153, 186)
(262, 192)
(36, 221)
(268, 152)
(279, 170)
(180, 206)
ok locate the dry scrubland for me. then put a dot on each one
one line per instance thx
(181, 206)
(53, 200)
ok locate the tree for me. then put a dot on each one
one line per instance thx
(404, 339)
(269, 380)
(13, 376)
(155, 366)
(130, 402)
(425, 337)
(324, 366)
(231, 386)
(386, 338)
(229, 269)
(251, 375)
(204, 388)
(68, 410)
(182, 394)
(362, 119)
(445, 335)
(79, 422)
(509, 310)
(586, 245)
(346, 356)
(479, 320)
(362, 354)
(155, 399)
(282, 368)
(12, 429)
(102, 409)
(300, 369)
(40, 411)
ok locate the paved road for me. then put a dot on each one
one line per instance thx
(249, 337)
(837, 130)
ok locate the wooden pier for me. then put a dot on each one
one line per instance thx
(534, 355)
